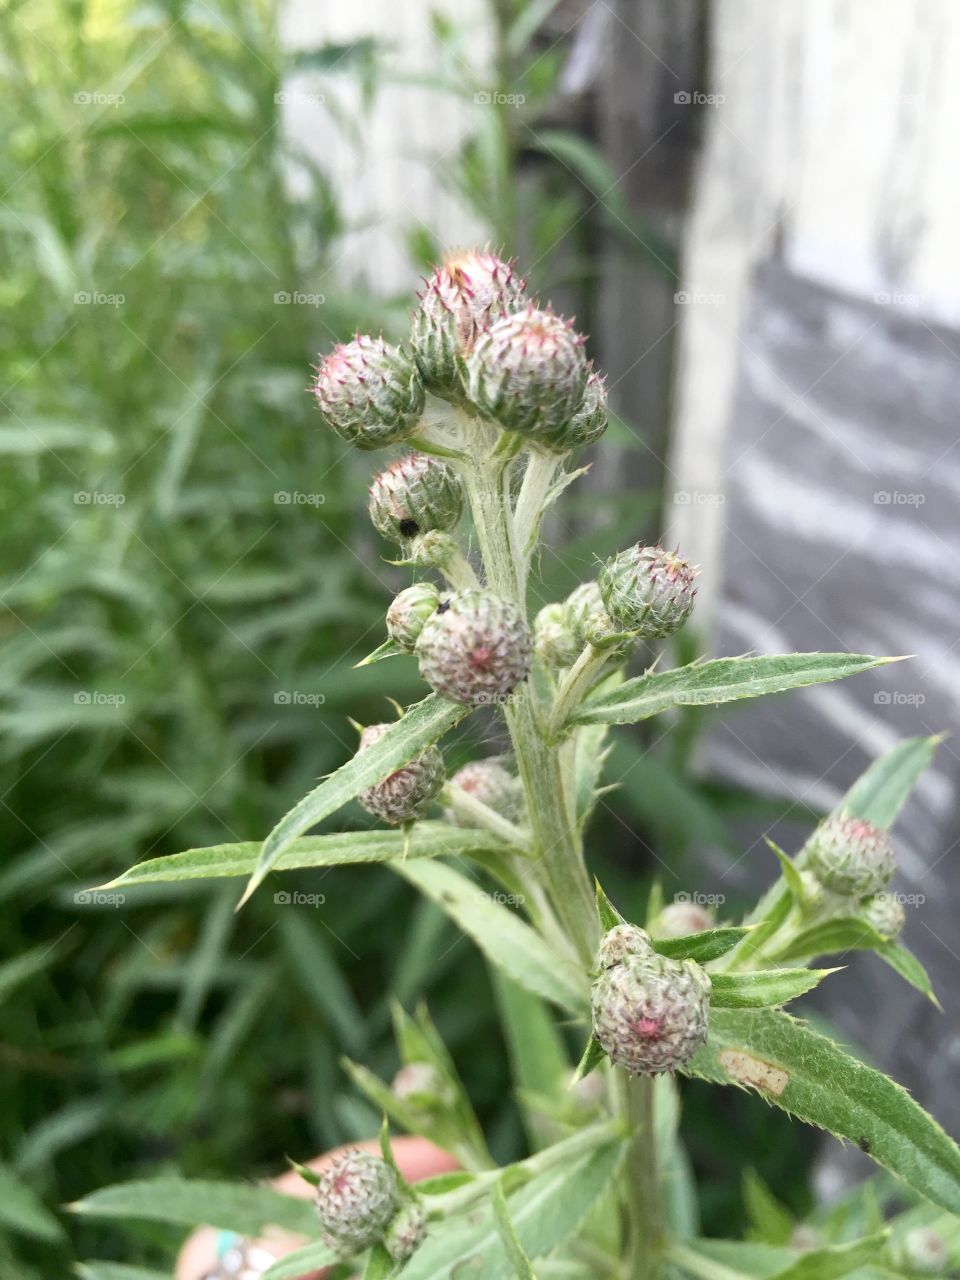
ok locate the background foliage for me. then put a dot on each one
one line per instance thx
(170, 624)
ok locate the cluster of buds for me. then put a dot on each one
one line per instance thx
(650, 1013)
(361, 1202)
(407, 793)
(851, 857)
(475, 648)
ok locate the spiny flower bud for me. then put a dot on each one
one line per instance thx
(463, 297)
(475, 648)
(621, 941)
(407, 1231)
(357, 1197)
(583, 603)
(587, 424)
(493, 785)
(650, 1013)
(884, 913)
(409, 611)
(600, 631)
(415, 495)
(369, 392)
(406, 794)
(647, 590)
(851, 856)
(555, 637)
(529, 372)
(417, 1080)
(680, 919)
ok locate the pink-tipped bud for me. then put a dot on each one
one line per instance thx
(407, 1231)
(464, 296)
(417, 494)
(475, 648)
(369, 392)
(680, 919)
(529, 372)
(851, 857)
(494, 786)
(406, 794)
(587, 424)
(648, 591)
(357, 1197)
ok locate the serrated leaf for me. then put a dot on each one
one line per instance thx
(842, 933)
(762, 988)
(424, 840)
(607, 913)
(420, 727)
(904, 962)
(720, 680)
(807, 1075)
(501, 935)
(707, 945)
(195, 1202)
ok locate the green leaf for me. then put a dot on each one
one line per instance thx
(809, 1076)
(591, 1058)
(791, 875)
(501, 935)
(538, 1058)
(294, 1266)
(194, 1202)
(880, 793)
(22, 1210)
(544, 1212)
(842, 933)
(835, 1261)
(514, 1250)
(379, 1265)
(591, 756)
(607, 913)
(769, 1221)
(733, 1260)
(419, 727)
(91, 1270)
(909, 968)
(720, 680)
(762, 988)
(703, 946)
(424, 840)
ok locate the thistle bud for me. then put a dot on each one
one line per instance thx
(417, 1080)
(647, 590)
(407, 1231)
(601, 632)
(357, 1197)
(922, 1252)
(369, 392)
(464, 296)
(851, 857)
(555, 638)
(680, 919)
(406, 794)
(884, 914)
(493, 785)
(650, 1013)
(583, 603)
(475, 648)
(587, 424)
(529, 372)
(417, 494)
(621, 941)
(409, 611)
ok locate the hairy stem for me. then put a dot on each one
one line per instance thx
(584, 673)
(644, 1213)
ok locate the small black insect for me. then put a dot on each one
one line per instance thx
(408, 528)
(443, 606)
(864, 1145)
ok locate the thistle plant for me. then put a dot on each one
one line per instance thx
(495, 395)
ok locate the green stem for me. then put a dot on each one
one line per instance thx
(478, 814)
(581, 677)
(642, 1181)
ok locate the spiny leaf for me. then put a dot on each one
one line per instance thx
(420, 727)
(194, 1202)
(607, 913)
(763, 988)
(720, 680)
(704, 946)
